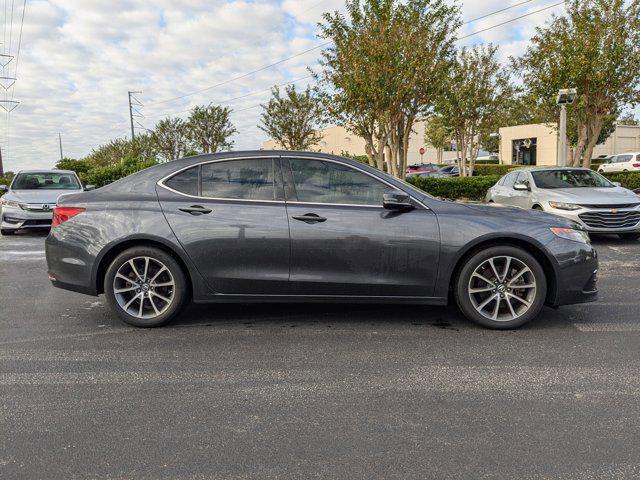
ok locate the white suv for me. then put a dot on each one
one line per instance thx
(625, 162)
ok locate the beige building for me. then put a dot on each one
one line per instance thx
(337, 140)
(538, 144)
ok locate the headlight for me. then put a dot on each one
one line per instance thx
(9, 203)
(564, 206)
(571, 234)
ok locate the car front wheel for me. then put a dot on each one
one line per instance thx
(501, 287)
(145, 286)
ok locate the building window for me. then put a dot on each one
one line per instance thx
(524, 151)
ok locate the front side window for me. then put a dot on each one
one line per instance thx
(185, 182)
(624, 158)
(318, 181)
(550, 179)
(45, 181)
(239, 179)
(510, 179)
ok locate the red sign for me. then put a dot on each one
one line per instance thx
(421, 150)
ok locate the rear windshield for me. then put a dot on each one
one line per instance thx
(45, 181)
(569, 179)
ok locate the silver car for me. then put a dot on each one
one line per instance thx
(31, 197)
(579, 194)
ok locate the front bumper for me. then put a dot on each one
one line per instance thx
(602, 220)
(16, 218)
(576, 272)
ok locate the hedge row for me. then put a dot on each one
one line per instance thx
(101, 176)
(456, 188)
(475, 188)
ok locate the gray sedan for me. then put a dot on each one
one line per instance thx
(579, 194)
(31, 197)
(277, 226)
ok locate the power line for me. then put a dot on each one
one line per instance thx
(467, 36)
(229, 100)
(324, 44)
(24, 7)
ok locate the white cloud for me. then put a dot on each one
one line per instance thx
(79, 58)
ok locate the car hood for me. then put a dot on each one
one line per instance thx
(37, 196)
(519, 215)
(601, 196)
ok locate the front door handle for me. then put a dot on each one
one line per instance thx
(196, 210)
(310, 218)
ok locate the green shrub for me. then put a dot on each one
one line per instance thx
(491, 161)
(627, 180)
(496, 169)
(101, 176)
(456, 188)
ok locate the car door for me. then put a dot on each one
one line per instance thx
(344, 243)
(521, 198)
(230, 217)
(504, 190)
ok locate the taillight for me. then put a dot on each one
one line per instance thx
(62, 214)
(636, 165)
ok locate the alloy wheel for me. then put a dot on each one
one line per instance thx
(144, 287)
(502, 288)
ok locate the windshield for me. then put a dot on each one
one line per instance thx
(569, 179)
(45, 181)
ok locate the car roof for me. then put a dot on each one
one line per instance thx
(44, 170)
(544, 169)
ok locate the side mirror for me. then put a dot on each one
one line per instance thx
(617, 184)
(522, 187)
(4, 188)
(397, 200)
(88, 188)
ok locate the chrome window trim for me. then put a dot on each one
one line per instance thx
(165, 178)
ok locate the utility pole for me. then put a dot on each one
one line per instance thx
(1, 167)
(133, 101)
(60, 139)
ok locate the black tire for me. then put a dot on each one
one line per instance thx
(462, 282)
(629, 236)
(7, 232)
(537, 207)
(179, 290)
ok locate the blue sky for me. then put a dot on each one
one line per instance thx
(80, 57)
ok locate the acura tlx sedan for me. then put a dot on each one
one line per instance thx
(276, 226)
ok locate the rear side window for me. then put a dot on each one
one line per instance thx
(318, 181)
(239, 179)
(185, 182)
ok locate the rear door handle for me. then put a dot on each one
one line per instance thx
(310, 218)
(196, 210)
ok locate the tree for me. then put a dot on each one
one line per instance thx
(293, 120)
(628, 119)
(385, 68)
(595, 48)
(477, 93)
(170, 138)
(209, 128)
(437, 135)
(110, 153)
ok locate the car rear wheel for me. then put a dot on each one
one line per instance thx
(501, 287)
(145, 286)
(629, 236)
(5, 231)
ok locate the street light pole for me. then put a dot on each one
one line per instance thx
(566, 96)
(562, 144)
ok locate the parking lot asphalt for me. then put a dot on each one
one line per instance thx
(316, 391)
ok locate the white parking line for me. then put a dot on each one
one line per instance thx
(607, 327)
